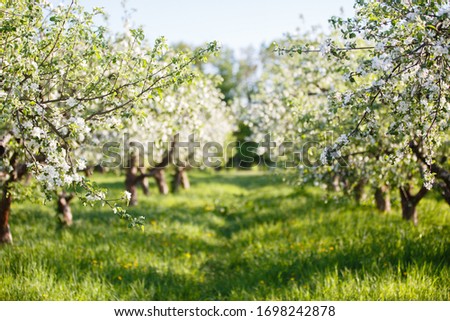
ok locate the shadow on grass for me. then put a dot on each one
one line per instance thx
(281, 269)
(257, 241)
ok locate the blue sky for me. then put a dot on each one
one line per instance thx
(234, 23)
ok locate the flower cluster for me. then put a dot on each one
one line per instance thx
(63, 78)
(389, 66)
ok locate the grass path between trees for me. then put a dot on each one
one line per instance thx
(232, 236)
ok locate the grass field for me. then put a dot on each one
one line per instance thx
(232, 236)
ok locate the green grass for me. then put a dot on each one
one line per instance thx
(232, 236)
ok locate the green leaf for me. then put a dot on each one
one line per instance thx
(55, 19)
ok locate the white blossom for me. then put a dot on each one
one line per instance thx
(71, 102)
(64, 131)
(98, 196)
(347, 97)
(127, 196)
(27, 124)
(325, 48)
(37, 132)
(34, 87)
(324, 156)
(68, 179)
(77, 178)
(383, 62)
(411, 16)
(342, 140)
(440, 50)
(409, 40)
(40, 111)
(444, 9)
(379, 47)
(386, 26)
(81, 164)
(403, 107)
(429, 179)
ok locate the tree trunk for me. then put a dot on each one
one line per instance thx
(445, 191)
(410, 201)
(335, 184)
(6, 198)
(145, 186)
(4, 143)
(180, 179)
(382, 199)
(99, 169)
(358, 191)
(5, 211)
(160, 179)
(440, 172)
(5, 202)
(28, 178)
(88, 171)
(409, 212)
(158, 171)
(185, 180)
(142, 180)
(64, 210)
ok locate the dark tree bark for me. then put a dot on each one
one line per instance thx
(142, 180)
(160, 179)
(382, 199)
(135, 176)
(5, 211)
(180, 178)
(3, 144)
(158, 171)
(444, 190)
(441, 173)
(19, 170)
(99, 169)
(145, 186)
(358, 191)
(88, 171)
(185, 180)
(28, 178)
(64, 210)
(336, 183)
(176, 181)
(409, 202)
